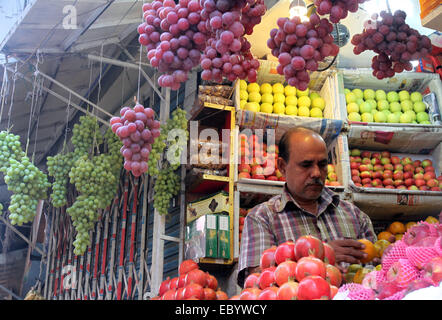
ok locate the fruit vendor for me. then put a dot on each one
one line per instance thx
(305, 207)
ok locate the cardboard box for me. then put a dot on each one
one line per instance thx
(214, 203)
(224, 236)
(202, 238)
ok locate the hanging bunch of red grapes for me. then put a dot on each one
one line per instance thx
(178, 37)
(337, 9)
(394, 42)
(300, 46)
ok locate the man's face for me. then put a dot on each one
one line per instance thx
(306, 169)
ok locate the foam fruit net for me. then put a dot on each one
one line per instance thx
(357, 291)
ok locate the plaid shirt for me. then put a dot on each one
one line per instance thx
(281, 219)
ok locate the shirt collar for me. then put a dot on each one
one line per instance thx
(326, 198)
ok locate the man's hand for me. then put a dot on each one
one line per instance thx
(348, 250)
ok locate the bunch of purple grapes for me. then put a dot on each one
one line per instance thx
(395, 43)
(227, 53)
(300, 46)
(337, 9)
(138, 130)
(174, 37)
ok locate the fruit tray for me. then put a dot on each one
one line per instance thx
(383, 202)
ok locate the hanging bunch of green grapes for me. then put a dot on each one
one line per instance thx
(178, 136)
(167, 185)
(59, 167)
(85, 135)
(10, 148)
(29, 185)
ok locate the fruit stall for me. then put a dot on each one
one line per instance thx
(146, 198)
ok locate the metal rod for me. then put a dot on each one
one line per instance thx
(123, 240)
(10, 292)
(132, 236)
(143, 238)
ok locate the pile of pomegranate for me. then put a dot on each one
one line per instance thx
(295, 270)
(191, 284)
(413, 263)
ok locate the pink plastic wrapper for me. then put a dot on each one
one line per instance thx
(396, 252)
(357, 291)
(419, 256)
(397, 296)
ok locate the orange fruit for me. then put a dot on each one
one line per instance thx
(431, 219)
(399, 236)
(408, 225)
(396, 227)
(369, 249)
(386, 235)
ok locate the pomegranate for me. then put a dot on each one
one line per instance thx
(333, 275)
(288, 291)
(169, 295)
(308, 266)
(285, 271)
(186, 266)
(193, 290)
(179, 295)
(268, 293)
(212, 282)
(196, 276)
(252, 280)
(313, 287)
(308, 245)
(333, 291)
(268, 258)
(329, 254)
(181, 282)
(165, 285)
(267, 278)
(250, 294)
(209, 294)
(285, 251)
(173, 283)
(221, 295)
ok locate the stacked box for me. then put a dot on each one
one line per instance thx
(211, 204)
(224, 236)
(202, 238)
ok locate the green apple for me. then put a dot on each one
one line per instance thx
(365, 107)
(415, 96)
(354, 116)
(318, 102)
(289, 90)
(350, 97)
(291, 100)
(369, 94)
(412, 114)
(316, 112)
(303, 111)
(405, 118)
(380, 117)
(242, 103)
(386, 111)
(383, 105)
(314, 95)
(398, 113)
(243, 94)
(419, 106)
(422, 116)
(267, 98)
(266, 88)
(406, 105)
(301, 93)
(278, 97)
(359, 101)
(393, 118)
(253, 87)
(367, 117)
(404, 95)
(266, 107)
(425, 122)
(346, 90)
(352, 107)
(392, 96)
(373, 111)
(381, 95)
(395, 107)
(279, 108)
(372, 102)
(358, 93)
(291, 110)
(254, 96)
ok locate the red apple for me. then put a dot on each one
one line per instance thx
(375, 161)
(433, 270)
(378, 167)
(398, 182)
(388, 166)
(409, 167)
(281, 179)
(355, 152)
(257, 169)
(366, 174)
(389, 187)
(408, 175)
(356, 179)
(332, 176)
(432, 183)
(429, 168)
(354, 165)
(368, 185)
(424, 188)
(419, 170)
(376, 182)
(244, 175)
(335, 184)
(258, 176)
(363, 167)
(385, 161)
(385, 154)
(439, 178)
(426, 163)
(429, 175)
(358, 185)
(331, 168)
(244, 167)
(420, 182)
(398, 175)
(395, 160)
(272, 178)
(366, 154)
(398, 167)
(387, 174)
(401, 187)
(409, 182)
(355, 172)
(378, 175)
(417, 163)
(419, 176)
(278, 173)
(413, 187)
(388, 182)
(358, 159)
(366, 181)
(435, 189)
(376, 155)
(366, 161)
(406, 160)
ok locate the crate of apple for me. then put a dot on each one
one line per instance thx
(332, 176)
(385, 170)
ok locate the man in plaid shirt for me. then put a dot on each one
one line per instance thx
(305, 207)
